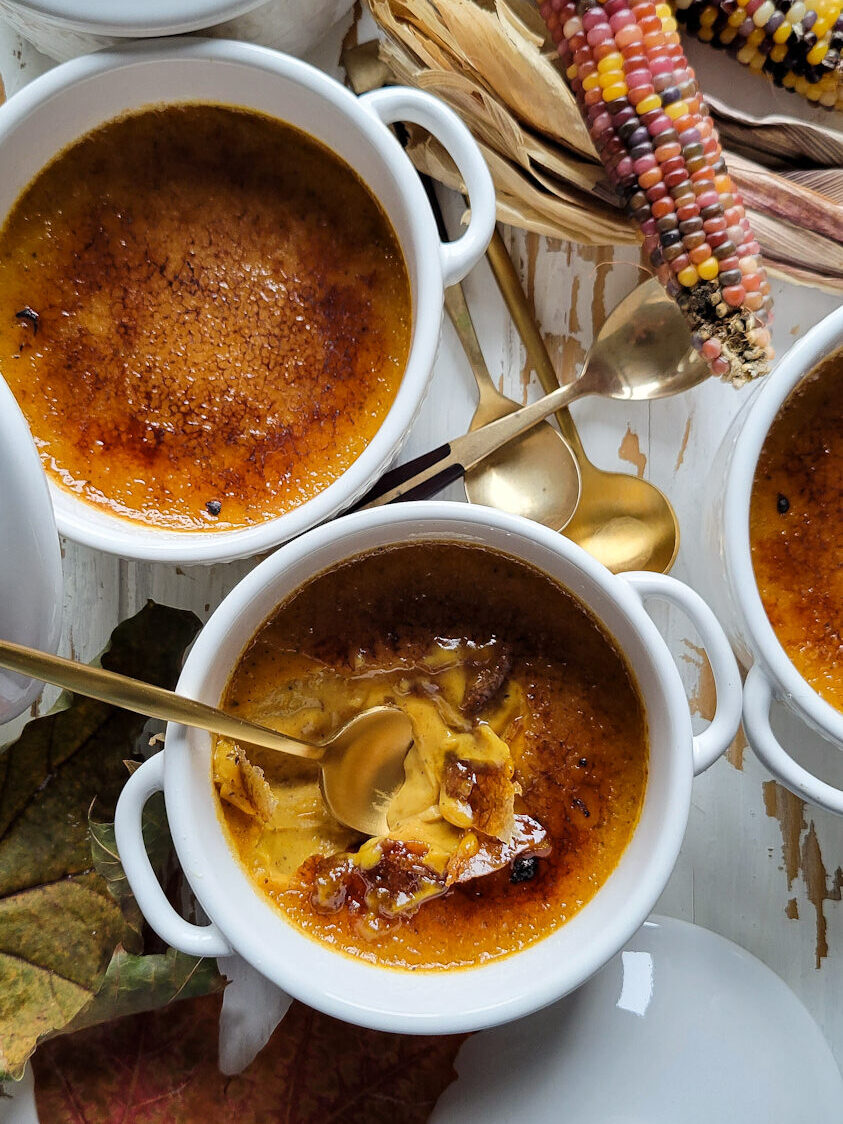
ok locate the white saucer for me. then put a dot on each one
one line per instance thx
(30, 561)
(137, 17)
(682, 1027)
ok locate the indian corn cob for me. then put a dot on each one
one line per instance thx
(797, 45)
(652, 130)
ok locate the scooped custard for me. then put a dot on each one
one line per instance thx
(796, 528)
(523, 785)
(204, 315)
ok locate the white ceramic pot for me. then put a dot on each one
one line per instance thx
(63, 29)
(30, 562)
(428, 1002)
(723, 568)
(67, 102)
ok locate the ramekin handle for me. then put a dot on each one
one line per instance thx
(402, 103)
(757, 700)
(721, 730)
(196, 940)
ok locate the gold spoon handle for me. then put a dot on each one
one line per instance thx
(516, 302)
(457, 309)
(457, 306)
(144, 698)
(434, 470)
(475, 446)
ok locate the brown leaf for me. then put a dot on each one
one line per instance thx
(59, 924)
(161, 1068)
(144, 983)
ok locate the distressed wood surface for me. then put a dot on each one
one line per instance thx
(757, 864)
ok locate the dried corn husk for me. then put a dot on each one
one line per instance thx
(489, 61)
(775, 137)
(827, 181)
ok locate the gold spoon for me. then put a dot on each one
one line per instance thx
(625, 522)
(535, 475)
(644, 352)
(619, 365)
(362, 764)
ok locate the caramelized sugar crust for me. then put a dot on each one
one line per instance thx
(796, 528)
(580, 751)
(221, 316)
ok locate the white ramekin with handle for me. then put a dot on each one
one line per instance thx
(31, 586)
(67, 102)
(428, 1001)
(723, 569)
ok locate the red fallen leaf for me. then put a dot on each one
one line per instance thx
(161, 1068)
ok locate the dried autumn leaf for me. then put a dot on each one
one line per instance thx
(133, 984)
(136, 981)
(59, 924)
(161, 1067)
(107, 862)
(49, 972)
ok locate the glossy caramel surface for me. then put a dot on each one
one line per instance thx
(204, 315)
(576, 731)
(796, 528)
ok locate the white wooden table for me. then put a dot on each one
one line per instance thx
(757, 865)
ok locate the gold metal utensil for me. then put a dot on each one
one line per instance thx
(631, 523)
(536, 475)
(362, 764)
(625, 522)
(645, 352)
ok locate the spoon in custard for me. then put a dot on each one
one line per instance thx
(362, 764)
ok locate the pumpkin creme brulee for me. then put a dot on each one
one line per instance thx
(204, 315)
(523, 785)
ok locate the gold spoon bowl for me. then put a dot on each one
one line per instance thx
(362, 764)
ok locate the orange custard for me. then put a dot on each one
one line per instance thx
(529, 733)
(204, 315)
(796, 528)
